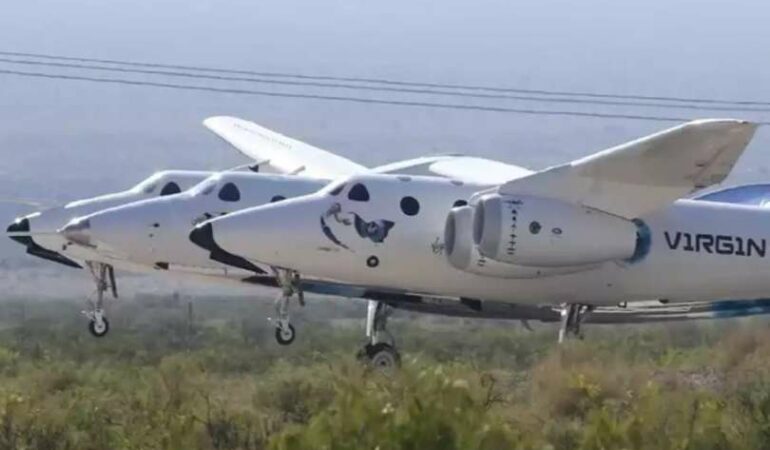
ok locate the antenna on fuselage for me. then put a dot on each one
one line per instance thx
(253, 167)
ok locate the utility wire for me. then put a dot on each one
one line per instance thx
(584, 101)
(349, 99)
(385, 81)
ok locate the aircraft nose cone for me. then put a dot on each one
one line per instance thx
(203, 236)
(20, 225)
(78, 231)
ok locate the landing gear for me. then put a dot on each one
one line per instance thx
(380, 352)
(104, 277)
(99, 327)
(381, 356)
(572, 315)
(285, 335)
(289, 282)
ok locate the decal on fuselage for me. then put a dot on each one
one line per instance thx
(375, 230)
(715, 243)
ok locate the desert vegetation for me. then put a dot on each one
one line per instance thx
(211, 377)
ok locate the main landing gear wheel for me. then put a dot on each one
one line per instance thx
(99, 328)
(380, 355)
(285, 335)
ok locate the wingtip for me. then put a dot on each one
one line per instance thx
(214, 120)
(724, 122)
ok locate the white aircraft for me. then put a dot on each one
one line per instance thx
(156, 238)
(604, 230)
(151, 235)
(38, 232)
(270, 151)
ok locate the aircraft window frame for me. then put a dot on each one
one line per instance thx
(229, 192)
(459, 203)
(170, 188)
(277, 198)
(359, 193)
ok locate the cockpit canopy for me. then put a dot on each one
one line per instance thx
(253, 188)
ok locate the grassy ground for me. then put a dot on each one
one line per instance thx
(216, 380)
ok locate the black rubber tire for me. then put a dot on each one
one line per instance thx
(285, 339)
(99, 333)
(383, 357)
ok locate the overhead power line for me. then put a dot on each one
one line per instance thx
(384, 81)
(339, 98)
(389, 89)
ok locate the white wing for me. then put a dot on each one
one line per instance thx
(468, 169)
(646, 174)
(281, 153)
(478, 170)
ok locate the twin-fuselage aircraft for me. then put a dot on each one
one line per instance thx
(450, 235)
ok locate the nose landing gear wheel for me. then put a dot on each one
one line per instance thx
(285, 335)
(99, 328)
(382, 357)
(104, 277)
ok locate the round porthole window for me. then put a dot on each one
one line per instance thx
(534, 227)
(410, 206)
(372, 261)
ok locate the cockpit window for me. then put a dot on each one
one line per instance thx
(170, 188)
(359, 193)
(229, 193)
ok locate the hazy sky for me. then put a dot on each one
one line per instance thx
(61, 139)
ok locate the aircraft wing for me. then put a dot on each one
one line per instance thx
(478, 170)
(646, 174)
(469, 169)
(281, 153)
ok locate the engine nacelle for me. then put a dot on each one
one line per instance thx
(463, 254)
(535, 231)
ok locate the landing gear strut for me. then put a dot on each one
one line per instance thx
(104, 277)
(289, 282)
(572, 315)
(380, 352)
